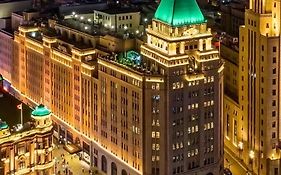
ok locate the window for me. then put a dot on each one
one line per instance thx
(273, 113)
(267, 25)
(274, 92)
(273, 81)
(273, 102)
(275, 169)
(274, 71)
(274, 59)
(227, 125)
(273, 135)
(274, 49)
(273, 124)
(262, 48)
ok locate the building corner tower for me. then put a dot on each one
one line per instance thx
(184, 135)
(259, 88)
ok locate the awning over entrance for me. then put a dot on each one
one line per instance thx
(71, 148)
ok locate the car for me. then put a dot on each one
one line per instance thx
(227, 171)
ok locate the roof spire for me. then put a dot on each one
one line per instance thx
(179, 12)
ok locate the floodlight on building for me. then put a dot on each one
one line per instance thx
(33, 34)
(112, 27)
(86, 27)
(145, 19)
(137, 31)
(252, 154)
(75, 16)
(82, 17)
(73, 13)
(240, 145)
(89, 20)
(125, 27)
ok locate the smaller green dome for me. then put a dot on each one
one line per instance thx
(3, 125)
(40, 111)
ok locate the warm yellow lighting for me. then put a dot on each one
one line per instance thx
(252, 154)
(154, 79)
(194, 77)
(173, 38)
(121, 70)
(240, 145)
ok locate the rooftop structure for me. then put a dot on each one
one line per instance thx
(179, 12)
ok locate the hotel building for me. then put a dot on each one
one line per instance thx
(155, 112)
(254, 134)
(28, 149)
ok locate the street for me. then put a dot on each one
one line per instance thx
(235, 166)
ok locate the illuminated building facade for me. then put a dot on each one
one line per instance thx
(28, 149)
(254, 134)
(157, 112)
(188, 113)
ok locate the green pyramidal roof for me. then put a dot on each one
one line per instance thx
(40, 111)
(179, 12)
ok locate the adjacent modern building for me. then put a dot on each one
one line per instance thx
(118, 19)
(155, 112)
(27, 148)
(254, 134)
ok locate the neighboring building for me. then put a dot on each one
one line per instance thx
(230, 55)
(9, 6)
(153, 113)
(28, 149)
(258, 123)
(21, 17)
(232, 17)
(118, 19)
(6, 54)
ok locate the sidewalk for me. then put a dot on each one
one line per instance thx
(67, 164)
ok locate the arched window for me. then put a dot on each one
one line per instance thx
(113, 169)
(124, 172)
(103, 164)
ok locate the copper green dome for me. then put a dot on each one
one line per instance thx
(179, 12)
(40, 111)
(3, 125)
